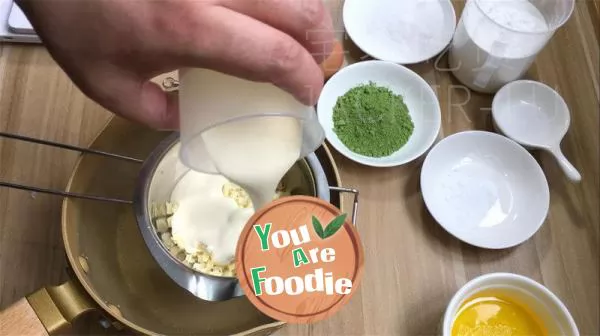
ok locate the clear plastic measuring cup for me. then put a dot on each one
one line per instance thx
(496, 41)
(210, 99)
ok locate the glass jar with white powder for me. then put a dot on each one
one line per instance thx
(496, 41)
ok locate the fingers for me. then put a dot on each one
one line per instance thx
(308, 21)
(242, 46)
(157, 108)
(138, 100)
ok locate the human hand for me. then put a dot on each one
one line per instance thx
(112, 48)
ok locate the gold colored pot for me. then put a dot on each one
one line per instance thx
(116, 275)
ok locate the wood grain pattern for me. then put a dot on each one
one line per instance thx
(412, 266)
(20, 320)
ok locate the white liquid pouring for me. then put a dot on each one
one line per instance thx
(254, 153)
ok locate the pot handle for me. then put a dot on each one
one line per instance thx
(48, 311)
(355, 202)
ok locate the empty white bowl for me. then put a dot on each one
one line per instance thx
(536, 116)
(400, 31)
(485, 189)
(419, 97)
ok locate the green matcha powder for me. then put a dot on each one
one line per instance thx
(372, 121)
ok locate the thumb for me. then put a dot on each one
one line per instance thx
(141, 101)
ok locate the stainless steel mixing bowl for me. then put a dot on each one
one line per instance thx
(157, 179)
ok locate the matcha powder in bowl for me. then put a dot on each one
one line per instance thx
(372, 120)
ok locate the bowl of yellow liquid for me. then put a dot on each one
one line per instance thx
(505, 304)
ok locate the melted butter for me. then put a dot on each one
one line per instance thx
(495, 316)
(206, 217)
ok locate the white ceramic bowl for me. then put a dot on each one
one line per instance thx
(400, 31)
(535, 116)
(485, 189)
(547, 306)
(531, 113)
(419, 97)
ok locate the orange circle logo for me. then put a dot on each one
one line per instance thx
(299, 260)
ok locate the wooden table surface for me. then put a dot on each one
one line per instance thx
(413, 267)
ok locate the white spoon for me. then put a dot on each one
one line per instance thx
(535, 116)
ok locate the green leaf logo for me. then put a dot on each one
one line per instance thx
(318, 227)
(331, 228)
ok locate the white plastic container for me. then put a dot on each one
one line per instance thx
(210, 99)
(496, 41)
